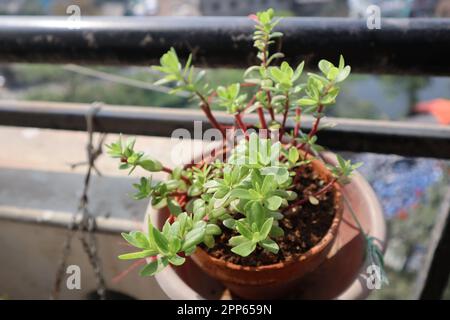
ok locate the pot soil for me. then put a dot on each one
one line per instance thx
(304, 226)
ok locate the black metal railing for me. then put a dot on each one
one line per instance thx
(416, 46)
(389, 137)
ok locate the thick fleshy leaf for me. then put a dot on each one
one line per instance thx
(245, 248)
(176, 260)
(273, 203)
(138, 255)
(265, 229)
(154, 267)
(269, 245)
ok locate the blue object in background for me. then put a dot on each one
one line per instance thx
(400, 183)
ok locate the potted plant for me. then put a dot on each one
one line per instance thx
(262, 211)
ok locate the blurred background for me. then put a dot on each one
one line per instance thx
(410, 190)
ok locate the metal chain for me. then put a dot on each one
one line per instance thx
(87, 224)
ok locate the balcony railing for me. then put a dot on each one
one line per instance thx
(417, 46)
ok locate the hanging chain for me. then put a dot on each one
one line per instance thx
(87, 224)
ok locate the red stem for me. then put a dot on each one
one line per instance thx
(269, 105)
(314, 128)
(285, 113)
(240, 123)
(123, 273)
(247, 84)
(262, 119)
(264, 64)
(298, 113)
(316, 124)
(316, 194)
(166, 169)
(207, 110)
(212, 119)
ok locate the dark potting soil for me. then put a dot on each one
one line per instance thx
(304, 226)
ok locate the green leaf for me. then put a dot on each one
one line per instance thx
(281, 174)
(160, 240)
(307, 102)
(245, 248)
(294, 155)
(229, 223)
(241, 194)
(257, 214)
(151, 165)
(137, 239)
(276, 74)
(341, 62)
(190, 250)
(273, 203)
(298, 71)
(176, 260)
(343, 74)
(332, 73)
(209, 241)
(193, 238)
(174, 207)
(243, 229)
(154, 267)
(174, 244)
(265, 229)
(138, 255)
(212, 229)
(276, 232)
(325, 66)
(269, 245)
(268, 184)
(237, 240)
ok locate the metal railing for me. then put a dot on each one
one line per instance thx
(414, 46)
(418, 46)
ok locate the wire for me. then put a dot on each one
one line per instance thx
(122, 80)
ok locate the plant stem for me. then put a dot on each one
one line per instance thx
(316, 123)
(298, 113)
(247, 84)
(205, 106)
(285, 114)
(123, 273)
(262, 119)
(264, 65)
(207, 110)
(314, 129)
(327, 187)
(166, 169)
(240, 123)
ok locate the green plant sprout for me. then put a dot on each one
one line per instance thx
(249, 190)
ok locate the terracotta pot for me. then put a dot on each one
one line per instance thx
(275, 280)
(341, 276)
